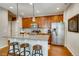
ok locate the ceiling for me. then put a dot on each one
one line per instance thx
(41, 9)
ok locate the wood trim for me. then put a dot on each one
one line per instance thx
(57, 45)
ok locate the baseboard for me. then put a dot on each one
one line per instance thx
(70, 50)
(3, 46)
(57, 45)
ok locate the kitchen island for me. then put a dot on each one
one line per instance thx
(33, 39)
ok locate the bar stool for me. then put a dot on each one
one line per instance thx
(24, 46)
(14, 49)
(37, 49)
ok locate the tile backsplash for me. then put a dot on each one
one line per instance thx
(42, 30)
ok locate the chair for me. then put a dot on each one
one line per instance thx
(15, 48)
(37, 49)
(24, 46)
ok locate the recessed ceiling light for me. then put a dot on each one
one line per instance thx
(11, 7)
(22, 13)
(58, 8)
(38, 11)
(30, 3)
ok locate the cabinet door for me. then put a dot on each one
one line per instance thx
(56, 18)
(26, 22)
(41, 21)
(38, 21)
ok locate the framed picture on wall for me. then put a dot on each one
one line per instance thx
(73, 24)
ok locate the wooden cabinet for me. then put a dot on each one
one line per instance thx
(26, 22)
(56, 18)
(50, 38)
(38, 21)
(42, 21)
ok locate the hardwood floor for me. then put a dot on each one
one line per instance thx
(52, 51)
(3, 51)
(58, 51)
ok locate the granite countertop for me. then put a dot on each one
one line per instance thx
(30, 37)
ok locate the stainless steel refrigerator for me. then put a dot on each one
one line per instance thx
(58, 33)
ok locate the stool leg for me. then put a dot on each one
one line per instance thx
(41, 52)
(8, 50)
(29, 50)
(14, 50)
(35, 52)
(24, 51)
(32, 52)
(19, 50)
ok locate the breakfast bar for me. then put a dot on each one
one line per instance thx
(33, 39)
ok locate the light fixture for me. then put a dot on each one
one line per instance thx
(30, 3)
(38, 11)
(58, 8)
(11, 7)
(17, 11)
(22, 13)
(33, 18)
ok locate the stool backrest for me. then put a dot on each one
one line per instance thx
(8, 42)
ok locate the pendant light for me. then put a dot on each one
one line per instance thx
(33, 19)
(17, 12)
(18, 18)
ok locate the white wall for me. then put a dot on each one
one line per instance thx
(16, 27)
(71, 38)
(13, 28)
(3, 27)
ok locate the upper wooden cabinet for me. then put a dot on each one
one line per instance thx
(42, 21)
(26, 22)
(56, 18)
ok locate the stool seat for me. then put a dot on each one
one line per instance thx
(24, 45)
(14, 43)
(37, 49)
